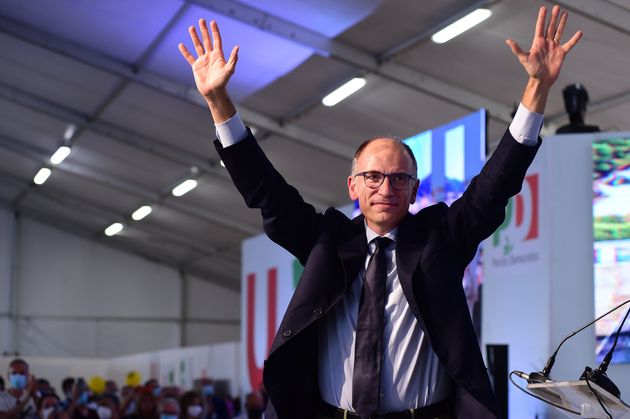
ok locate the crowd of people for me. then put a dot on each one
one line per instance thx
(23, 396)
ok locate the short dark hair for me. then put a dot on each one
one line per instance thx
(397, 140)
(18, 361)
(67, 383)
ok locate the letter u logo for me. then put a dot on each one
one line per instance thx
(255, 372)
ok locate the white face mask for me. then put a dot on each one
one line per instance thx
(46, 412)
(104, 412)
(194, 411)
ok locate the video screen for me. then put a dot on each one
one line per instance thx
(611, 244)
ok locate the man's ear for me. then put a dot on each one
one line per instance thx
(414, 191)
(352, 185)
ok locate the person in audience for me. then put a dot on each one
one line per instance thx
(146, 405)
(20, 400)
(154, 386)
(108, 406)
(66, 386)
(191, 405)
(48, 404)
(78, 408)
(111, 387)
(43, 387)
(255, 405)
(169, 408)
(216, 408)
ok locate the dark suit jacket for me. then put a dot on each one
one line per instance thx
(433, 248)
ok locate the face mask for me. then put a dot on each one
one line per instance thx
(156, 391)
(17, 381)
(83, 398)
(103, 412)
(46, 412)
(194, 411)
(165, 416)
(208, 390)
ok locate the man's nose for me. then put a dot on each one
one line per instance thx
(386, 187)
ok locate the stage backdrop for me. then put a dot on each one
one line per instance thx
(539, 271)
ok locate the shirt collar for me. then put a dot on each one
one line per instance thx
(371, 234)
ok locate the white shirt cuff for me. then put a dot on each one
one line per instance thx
(526, 126)
(231, 131)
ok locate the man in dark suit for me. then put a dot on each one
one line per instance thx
(387, 276)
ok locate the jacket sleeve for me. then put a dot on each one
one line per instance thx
(481, 209)
(287, 219)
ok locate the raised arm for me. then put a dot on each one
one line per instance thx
(210, 69)
(545, 57)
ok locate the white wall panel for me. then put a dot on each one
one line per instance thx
(78, 297)
(210, 301)
(202, 333)
(62, 274)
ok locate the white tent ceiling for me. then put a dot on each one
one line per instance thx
(112, 68)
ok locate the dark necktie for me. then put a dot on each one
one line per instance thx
(368, 346)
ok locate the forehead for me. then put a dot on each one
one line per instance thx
(384, 153)
(19, 366)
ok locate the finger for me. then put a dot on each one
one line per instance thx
(553, 21)
(196, 41)
(217, 43)
(540, 22)
(516, 49)
(187, 55)
(563, 21)
(205, 35)
(231, 64)
(571, 42)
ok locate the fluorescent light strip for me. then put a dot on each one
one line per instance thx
(461, 25)
(141, 212)
(184, 187)
(42, 175)
(343, 91)
(113, 229)
(60, 155)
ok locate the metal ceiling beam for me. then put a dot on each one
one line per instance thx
(120, 245)
(125, 136)
(427, 33)
(164, 85)
(604, 12)
(161, 233)
(356, 57)
(122, 185)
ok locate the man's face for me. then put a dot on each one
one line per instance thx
(385, 207)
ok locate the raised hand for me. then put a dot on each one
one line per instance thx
(210, 69)
(546, 55)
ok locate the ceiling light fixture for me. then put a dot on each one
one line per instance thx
(141, 212)
(461, 25)
(42, 175)
(60, 155)
(71, 129)
(184, 187)
(113, 229)
(343, 91)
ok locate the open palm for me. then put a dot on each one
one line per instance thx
(210, 70)
(545, 57)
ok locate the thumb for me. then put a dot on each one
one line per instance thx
(516, 49)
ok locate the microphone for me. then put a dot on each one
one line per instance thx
(598, 376)
(543, 376)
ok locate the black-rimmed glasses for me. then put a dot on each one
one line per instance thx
(374, 179)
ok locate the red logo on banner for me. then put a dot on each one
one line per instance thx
(523, 208)
(255, 372)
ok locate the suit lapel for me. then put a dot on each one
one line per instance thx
(352, 250)
(409, 246)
